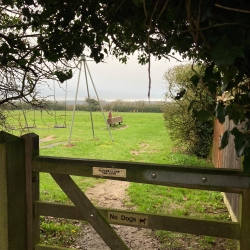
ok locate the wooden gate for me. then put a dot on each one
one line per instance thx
(20, 165)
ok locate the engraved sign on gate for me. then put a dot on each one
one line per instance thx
(114, 172)
(127, 218)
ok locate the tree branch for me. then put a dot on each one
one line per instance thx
(232, 9)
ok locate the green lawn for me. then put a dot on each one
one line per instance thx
(142, 137)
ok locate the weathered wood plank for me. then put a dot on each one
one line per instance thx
(230, 160)
(32, 189)
(229, 156)
(3, 199)
(15, 188)
(86, 208)
(224, 180)
(222, 229)
(232, 203)
(47, 247)
(244, 218)
(217, 154)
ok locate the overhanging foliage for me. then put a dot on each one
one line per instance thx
(214, 33)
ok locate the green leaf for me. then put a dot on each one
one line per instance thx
(239, 141)
(247, 126)
(224, 54)
(224, 139)
(195, 80)
(11, 35)
(212, 78)
(237, 113)
(4, 48)
(180, 94)
(191, 105)
(201, 115)
(63, 76)
(220, 112)
(22, 62)
(32, 59)
(246, 161)
(29, 2)
(26, 11)
(229, 110)
(209, 71)
(7, 2)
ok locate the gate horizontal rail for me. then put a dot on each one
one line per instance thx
(224, 180)
(46, 247)
(223, 229)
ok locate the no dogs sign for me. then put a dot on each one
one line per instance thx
(127, 218)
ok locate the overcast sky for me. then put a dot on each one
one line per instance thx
(114, 80)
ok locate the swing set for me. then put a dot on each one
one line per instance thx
(87, 74)
(24, 111)
(83, 62)
(56, 124)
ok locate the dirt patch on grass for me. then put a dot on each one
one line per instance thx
(134, 152)
(112, 194)
(144, 145)
(144, 149)
(119, 127)
(48, 138)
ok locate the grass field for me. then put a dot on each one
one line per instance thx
(141, 138)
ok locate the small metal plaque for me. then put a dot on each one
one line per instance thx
(114, 172)
(127, 218)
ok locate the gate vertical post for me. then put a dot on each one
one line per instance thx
(244, 220)
(13, 233)
(32, 189)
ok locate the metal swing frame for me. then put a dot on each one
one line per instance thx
(87, 73)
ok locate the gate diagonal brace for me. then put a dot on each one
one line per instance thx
(88, 210)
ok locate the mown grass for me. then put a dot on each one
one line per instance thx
(50, 191)
(141, 138)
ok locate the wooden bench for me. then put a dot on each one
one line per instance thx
(114, 120)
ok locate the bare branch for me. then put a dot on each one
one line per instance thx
(232, 9)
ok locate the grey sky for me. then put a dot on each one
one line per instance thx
(114, 80)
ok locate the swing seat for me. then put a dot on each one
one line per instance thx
(60, 126)
(30, 127)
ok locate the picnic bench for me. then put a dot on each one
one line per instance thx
(114, 120)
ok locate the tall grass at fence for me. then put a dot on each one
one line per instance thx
(142, 137)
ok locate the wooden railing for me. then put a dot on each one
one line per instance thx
(13, 150)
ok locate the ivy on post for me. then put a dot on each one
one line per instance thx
(32, 189)
(13, 233)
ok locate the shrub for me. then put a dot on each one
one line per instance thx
(188, 133)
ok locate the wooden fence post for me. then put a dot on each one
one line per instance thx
(244, 220)
(13, 233)
(32, 189)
